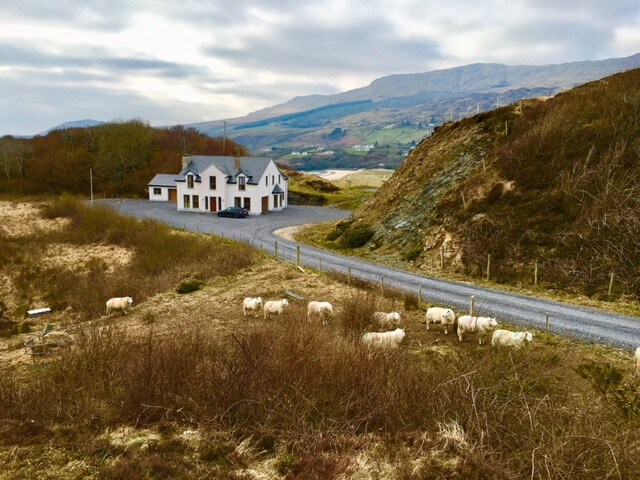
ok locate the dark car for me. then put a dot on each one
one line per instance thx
(234, 212)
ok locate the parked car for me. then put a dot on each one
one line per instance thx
(234, 212)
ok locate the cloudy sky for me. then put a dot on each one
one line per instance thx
(176, 62)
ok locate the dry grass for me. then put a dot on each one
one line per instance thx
(186, 386)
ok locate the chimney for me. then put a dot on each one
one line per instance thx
(185, 160)
(237, 163)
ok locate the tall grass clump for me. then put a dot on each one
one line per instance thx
(357, 313)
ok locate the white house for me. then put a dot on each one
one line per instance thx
(211, 183)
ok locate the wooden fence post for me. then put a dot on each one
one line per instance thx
(535, 273)
(488, 265)
(382, 285)
(611, 283)
(320, 268)
(349, 276)
(298, 255)
(276, 249)
(472, 306)
(546, 325)
(442, 256)
(419, 298)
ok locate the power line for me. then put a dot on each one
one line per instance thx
(119, 114)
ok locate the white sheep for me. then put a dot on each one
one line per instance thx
(384, 339)
(637, 360)
(119, 303)
(320, 309)
(480, 325)
(445, 316)
(387, 320)
(275, 307)
(251, 305)
(511, 339)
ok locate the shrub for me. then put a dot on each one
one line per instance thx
(189, 285)
(356, 237)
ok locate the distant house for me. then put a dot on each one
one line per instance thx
(211, 183)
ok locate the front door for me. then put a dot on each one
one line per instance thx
(213, 204)
(265, 204)
(173, 195)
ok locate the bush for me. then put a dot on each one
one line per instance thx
(189, 285)
(357, 236)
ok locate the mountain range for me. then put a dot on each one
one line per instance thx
(402, 109)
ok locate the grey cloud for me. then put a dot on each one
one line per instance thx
(33, 55)
(112, 15)
(365, 47)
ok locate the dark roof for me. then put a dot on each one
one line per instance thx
(164, 180)
(252, 167)
(277, 189)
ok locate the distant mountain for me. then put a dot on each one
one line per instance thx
(73, 124)
(398, 109)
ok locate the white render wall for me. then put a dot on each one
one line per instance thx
(162, 197)
(228, 192)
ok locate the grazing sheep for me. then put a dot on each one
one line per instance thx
(119, 303)
(47, 342)
(445, 316)
(251, 305)
(387, 320)
(275, 307)
(384, 339)
(511, 339)
(480, 325)
(637, 360)
(320, 309)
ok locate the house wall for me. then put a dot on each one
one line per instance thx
(163, 196)
(229, 192)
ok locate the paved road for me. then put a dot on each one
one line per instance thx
(582, 323)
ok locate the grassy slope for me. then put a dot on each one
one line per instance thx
(554, 181)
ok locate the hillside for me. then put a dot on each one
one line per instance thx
(398, 109)
(555, 182)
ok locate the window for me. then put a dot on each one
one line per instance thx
(247, 203)
(157, 191)
(196, 201)
(266, 181)
(206, 203)
(187, 201)
(212, 183)
(237, 202)
(275, 201)
(273, 179)
(279, 178)
(242, 181)
(189, 181)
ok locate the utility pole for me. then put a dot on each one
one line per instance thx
(224, 137)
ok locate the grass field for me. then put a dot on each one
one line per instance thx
(186, 386)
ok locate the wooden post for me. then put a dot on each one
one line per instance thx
(611, 283)
(472, 305)
(320, 268)
(419, 298)
(546, 324)
(535, 273)
(349, 276)
(276, 249)
(382, 285)
(442, 256)
(298, 255)
(464, 202)
(488, 265)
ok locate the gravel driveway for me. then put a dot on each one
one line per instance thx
(582, 323)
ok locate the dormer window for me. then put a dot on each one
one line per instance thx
(212, 183)
(189, 181)
(242, 182)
